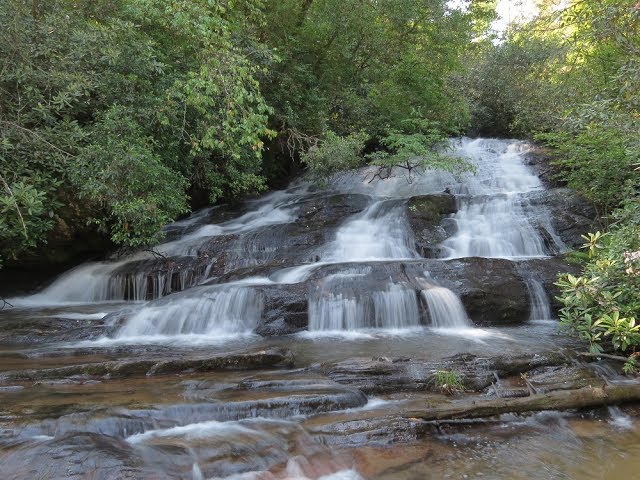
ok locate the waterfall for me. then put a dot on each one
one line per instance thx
(540, 308)
(91, 282)
(344, 302)
(379, 233)
(215, 311)
(492, 220)
(445, 308)
(493, 227)
(495, 219)
(105, 281)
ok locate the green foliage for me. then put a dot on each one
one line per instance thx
(120, 174)
(122, 107)
(571, 77)
(449, 382)
(410, 152)
(424, 147)
(598, 161)
(510, 87)
(334, 153)
(118, 110)
(602, 305)
(24, 218)
(351, 66)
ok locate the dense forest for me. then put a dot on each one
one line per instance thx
(119, 116)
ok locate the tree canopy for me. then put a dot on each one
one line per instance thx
(120, 115)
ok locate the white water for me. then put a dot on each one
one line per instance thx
(378, 233)
(220, 311)
(343, 302)
(539, 300)
(393, 308)
(273, 212)
(445, 308)
(492, 220)
(87, 283)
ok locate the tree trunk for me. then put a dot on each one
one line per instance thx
(556, 400)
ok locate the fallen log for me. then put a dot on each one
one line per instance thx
(598, 356)
(587, 397)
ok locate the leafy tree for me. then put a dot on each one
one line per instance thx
(114, 113)
(602, 305)
(118, 109)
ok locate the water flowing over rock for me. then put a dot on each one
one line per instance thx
(493, 219)
(249, 344)
(338, 304)
(282, 264)
(540, 307)
(445, 308)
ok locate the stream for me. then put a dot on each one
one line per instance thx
(284, 338)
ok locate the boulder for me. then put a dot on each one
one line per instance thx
(426, 214)
(493, 291)
(285, 310)
(569, 214)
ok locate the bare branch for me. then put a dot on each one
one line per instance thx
(4, 304)
(36, 135)
(298, 141)
(15, 202)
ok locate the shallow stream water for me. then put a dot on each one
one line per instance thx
(294, 420)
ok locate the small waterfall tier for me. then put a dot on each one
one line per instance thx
(379, 233)
(540, 307)
(445, 308)
(494, 217)
(346, 301)
(112, 281)
(215, 311)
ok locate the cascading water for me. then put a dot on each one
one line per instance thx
(492, 220)
(111, 281)
(273, 209)
(445, 308)
(539, 300)
(217, 311)
(379, 233)
(345, 302)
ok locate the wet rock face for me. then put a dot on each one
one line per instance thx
(426, 214)
(539, 161)
(546, 271)
(289, 243)
(569, 214)
(272, 358)
(285, 310)
(20, 331)
(493, 291)
(384, 375)
(71, 456)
